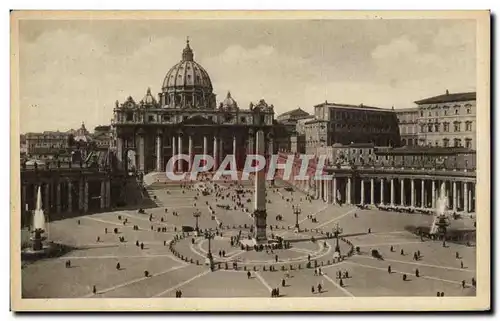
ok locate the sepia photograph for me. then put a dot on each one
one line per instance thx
(250, 161)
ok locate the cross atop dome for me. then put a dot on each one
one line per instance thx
(187, 53)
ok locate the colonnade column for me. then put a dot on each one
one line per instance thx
(46, 201)
(179, 152)
(466, 197)
(321, 190)
(328, 191)
(422, 195)
(392, 191)
(402, 186)
(348, 190)
(250, 144)
(335, 190)
(119, 151)
(382, 191)
(103, 194)
(80, 195)
(433, 203)
(58, 197)
(70, 196)
(455, 196)
(372, 191)
(190, 151)
(108, 194)
(362, 192)
(86, 197)
(159, 152)
(215, 153)
(412, 191)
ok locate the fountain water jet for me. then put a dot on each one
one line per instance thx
(38, 226)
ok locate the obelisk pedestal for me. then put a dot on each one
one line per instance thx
(260, 214)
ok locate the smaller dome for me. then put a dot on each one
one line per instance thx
(148, 99)
(229, 103)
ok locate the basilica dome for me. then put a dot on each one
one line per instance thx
(187, 74)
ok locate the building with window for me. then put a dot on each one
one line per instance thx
(447, 120)
(345, 124)
(408, 126)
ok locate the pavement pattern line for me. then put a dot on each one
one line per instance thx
(115, 257)
(408, 273)
(314, 214)
(421, 264)
(381, 244)
(135, 281)
(336, 218)
(329, 279)
(264, 282)
(181, 284)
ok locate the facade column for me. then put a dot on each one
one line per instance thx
(335, 194)
(251, 149)
(159, 152)
(23, 199)
(179, 152)
(141, 152)
(433, 194)
(466, 197)
(412, 191)
(422, 195)
(46, 201)
(270, 147)
(321, 190)
(362, 192)
(119, 151)
(108, 194)
(372, 191)
(58, 197)
(348, 190)
(216, 153)
(402, 186)
(103, 194)
(70, 196)
(234, 146)
(455, 192)
(470, 197)
(190, 152)
(86, 197)
(382, 191)
(205, 145)
(174, 152)
(392, 191)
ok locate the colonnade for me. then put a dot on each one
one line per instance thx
(458, 196)
(216, 145)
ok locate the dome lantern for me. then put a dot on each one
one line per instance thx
(187, 53)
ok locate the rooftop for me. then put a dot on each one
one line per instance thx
(295, 112)
(447, 97)
(360, 106)
(428, 150)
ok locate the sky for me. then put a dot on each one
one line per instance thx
(73, 71)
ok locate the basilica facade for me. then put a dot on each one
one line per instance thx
(185, 118)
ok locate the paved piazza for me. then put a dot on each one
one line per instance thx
(173, 266)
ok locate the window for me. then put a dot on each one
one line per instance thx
(446, 127)
(468, 143)
(243, 119)
(456, 126)
(436, 143)
(436, 128)
(456, 111)
(151, 118)
(430, 114)
(445, 112)
(421, 113)
(166, 117)
(468, 110)
(437, 113)
(130, 116)
(429, 128)
(468, 126)
(446, 142)
(457, 142)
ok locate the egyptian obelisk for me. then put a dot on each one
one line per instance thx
(260, 214)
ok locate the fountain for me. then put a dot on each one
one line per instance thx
(440, 218)
(38, 226)
(38, 247)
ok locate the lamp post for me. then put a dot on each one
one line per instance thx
(296, 211)
(337, 230)
(196, 215)
(209, 235)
